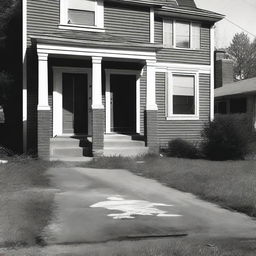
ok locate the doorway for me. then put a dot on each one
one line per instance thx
(75, 103)
(123, 103)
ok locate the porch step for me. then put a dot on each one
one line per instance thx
(124, 145)
(62, 142)
(116, 136)
(66, 147)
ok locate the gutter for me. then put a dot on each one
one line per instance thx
(197, 14)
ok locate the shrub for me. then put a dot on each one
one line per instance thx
(182, 149)
(227, 137)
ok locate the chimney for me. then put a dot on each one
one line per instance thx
(223, 69)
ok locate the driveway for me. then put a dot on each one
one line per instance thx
(96, 205)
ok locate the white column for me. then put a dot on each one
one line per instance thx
(97, 83)
(43, 82)
(151, 86)
(212, 76)
(108, 103)
(152, 25)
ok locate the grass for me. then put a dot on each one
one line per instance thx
(25, 202)
(163, 247)
(26, 206)
(231, 184)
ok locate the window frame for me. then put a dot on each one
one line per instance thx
(99, 18)
(173, 43)
(169, 96)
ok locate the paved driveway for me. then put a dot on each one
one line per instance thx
(94, 206)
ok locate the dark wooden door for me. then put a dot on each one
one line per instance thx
(123, 89)
(75, 107)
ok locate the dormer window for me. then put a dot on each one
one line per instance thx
(181, 34)
(82, 15)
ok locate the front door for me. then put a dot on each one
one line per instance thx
(75, 107)
(123, 103)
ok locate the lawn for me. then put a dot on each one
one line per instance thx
(25, 202)
(231, 184)
(27, 206)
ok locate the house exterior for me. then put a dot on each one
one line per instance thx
(233, 97)
(237, 98)
(95, 67)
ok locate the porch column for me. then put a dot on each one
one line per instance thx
(151, 109)
(251, 109)
(43, 108)
(97, 108)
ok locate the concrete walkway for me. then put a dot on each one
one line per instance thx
(94, 206)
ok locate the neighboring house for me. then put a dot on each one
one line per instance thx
(94, 67)
(233, 97)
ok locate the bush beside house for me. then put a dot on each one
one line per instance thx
(228, 137)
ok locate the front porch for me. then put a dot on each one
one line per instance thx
(107, 101)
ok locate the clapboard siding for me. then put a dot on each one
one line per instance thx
(43, 17)
(127, 21)
(189, 130)
(120, 20)
(186, 56)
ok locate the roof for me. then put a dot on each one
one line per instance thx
(87, 39)
(176, 8)
(189, 12)
(246, 86)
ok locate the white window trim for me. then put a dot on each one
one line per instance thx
(169, 98)
(99, 18)
(110, 72)
(191, 48)
(58, 97)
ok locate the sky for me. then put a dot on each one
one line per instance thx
(240, 12)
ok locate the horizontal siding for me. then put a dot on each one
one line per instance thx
(127, 21)
(188, 130)
(201, 56)
(43, 17)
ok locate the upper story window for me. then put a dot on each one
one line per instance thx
(82, 14)
(181, 34)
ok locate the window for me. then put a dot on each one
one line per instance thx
(182, 96)
(179, 34)
(182, 34)
(82, 14)
(238, 106)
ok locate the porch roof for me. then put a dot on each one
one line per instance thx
(91, 39)
(247, 86)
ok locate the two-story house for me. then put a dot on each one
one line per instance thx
(97, 67)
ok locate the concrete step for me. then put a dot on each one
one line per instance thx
(71, 159)
(125, 151)
(70, 142)
(124, 143)
(116, 136)
(69, 152)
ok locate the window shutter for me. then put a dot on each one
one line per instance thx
(168, 32)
